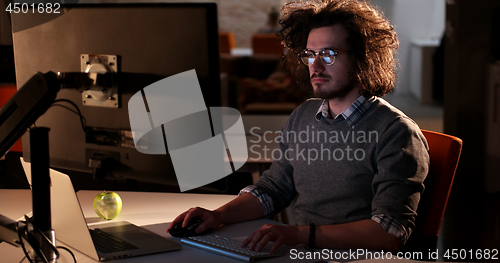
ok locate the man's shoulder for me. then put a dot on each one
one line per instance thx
(384, 107)
(385, 113)
(311, 102)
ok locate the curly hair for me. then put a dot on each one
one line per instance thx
(372, 40)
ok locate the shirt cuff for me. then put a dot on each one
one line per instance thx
(393, 226)
(265, 200)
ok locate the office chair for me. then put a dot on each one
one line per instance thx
(444, 151)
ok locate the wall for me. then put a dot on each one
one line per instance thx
(420, 79)
(242, 17)
(423, 19)
(468, 57)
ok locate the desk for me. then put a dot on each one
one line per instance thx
(150, 210)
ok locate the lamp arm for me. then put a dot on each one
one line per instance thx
(26, 106)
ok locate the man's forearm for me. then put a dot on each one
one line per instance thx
(243, 208)
(366, 234)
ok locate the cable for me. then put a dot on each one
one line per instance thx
(69, 251)
(24, 233)
(66, 107)
(32, 243)
(76, 111)
(26, 253)
(83, 121)
(52, 247)
(21, 242)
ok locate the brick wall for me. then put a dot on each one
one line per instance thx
(242, 17)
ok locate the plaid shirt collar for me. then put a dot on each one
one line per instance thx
(352, 114)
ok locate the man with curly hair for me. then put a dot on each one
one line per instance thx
(353, 163)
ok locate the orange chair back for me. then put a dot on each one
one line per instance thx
(444, 151)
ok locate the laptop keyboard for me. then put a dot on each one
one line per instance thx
(107, 243)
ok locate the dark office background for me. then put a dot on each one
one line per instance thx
(470, 45)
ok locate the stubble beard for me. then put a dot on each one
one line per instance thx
(326, 92)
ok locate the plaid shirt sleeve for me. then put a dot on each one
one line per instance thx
(393, 226)
(388, 223)
(265, 200)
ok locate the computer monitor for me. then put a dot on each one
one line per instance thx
(150, 41)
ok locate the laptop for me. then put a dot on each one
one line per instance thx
(71, 227)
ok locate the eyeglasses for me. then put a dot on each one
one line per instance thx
(308, 56)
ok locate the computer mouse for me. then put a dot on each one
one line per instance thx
(179, 231)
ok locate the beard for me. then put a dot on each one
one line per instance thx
(338, 92)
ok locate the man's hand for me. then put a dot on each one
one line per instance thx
(364, 233)
(211, 219)
(243, 208)
(279, 234)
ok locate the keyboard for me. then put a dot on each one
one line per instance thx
(107, 243)
(227, 247)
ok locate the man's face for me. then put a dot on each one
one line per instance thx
(338, 79)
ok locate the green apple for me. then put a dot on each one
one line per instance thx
(107, 205)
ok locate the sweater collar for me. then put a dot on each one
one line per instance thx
(352, 114)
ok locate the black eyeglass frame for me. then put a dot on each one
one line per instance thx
(333, 53)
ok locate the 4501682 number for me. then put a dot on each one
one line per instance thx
(40, 8)
(471, 254)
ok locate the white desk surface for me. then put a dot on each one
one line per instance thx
(152, 211)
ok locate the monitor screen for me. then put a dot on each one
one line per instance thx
(149, 41)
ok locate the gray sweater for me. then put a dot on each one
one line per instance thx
(343, 174)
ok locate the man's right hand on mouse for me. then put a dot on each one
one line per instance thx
(180, 225)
